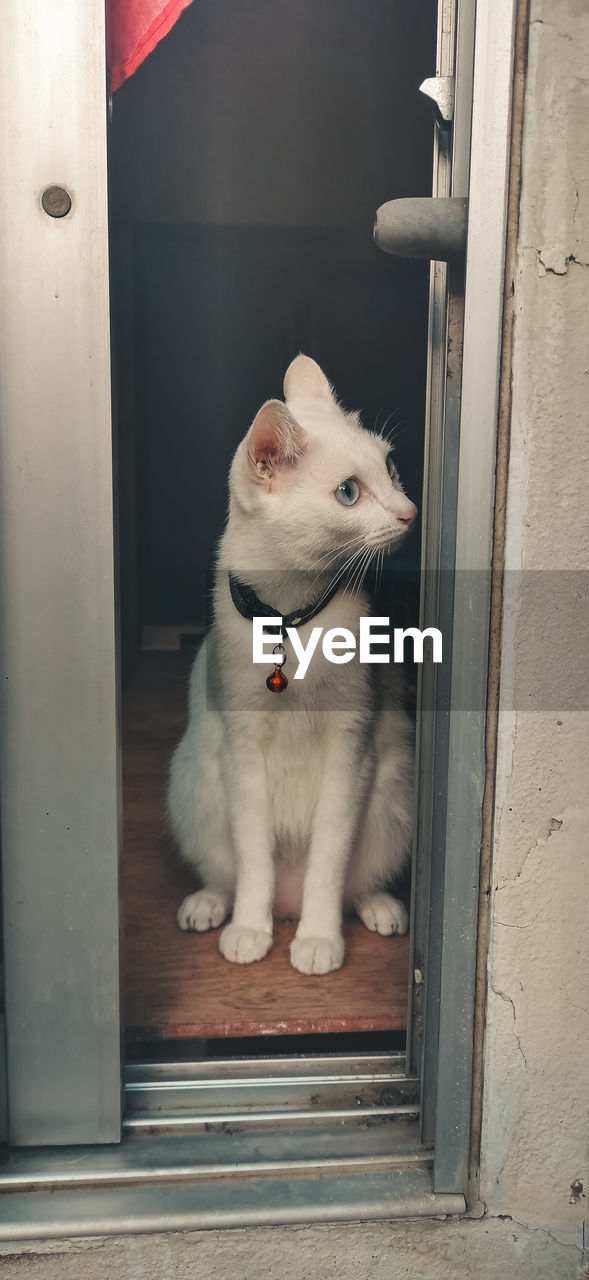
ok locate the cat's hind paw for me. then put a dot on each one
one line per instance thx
(317, 955)
(381, 913)
(244, 946)
(203, 910)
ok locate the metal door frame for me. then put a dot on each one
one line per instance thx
(72, 414)
(464, 723)
(59, 734)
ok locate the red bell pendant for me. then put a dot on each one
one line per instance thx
(277, 681)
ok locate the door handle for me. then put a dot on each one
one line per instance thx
(431, 227)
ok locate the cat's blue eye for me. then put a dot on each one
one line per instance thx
(347, 492)
(391, 468)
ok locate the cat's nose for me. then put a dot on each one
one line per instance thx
(408, 518)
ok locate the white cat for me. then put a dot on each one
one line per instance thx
(297, 803)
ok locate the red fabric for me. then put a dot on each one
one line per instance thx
(133, 28)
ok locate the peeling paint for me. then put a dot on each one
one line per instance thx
(552, 262)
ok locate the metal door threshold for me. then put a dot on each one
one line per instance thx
(221, 1154)
(235, 1144)
(231, 1201)
(245, 1091)
(237, 1121)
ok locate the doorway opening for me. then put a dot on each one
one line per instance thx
(248, 155)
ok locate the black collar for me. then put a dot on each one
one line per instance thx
(249, 605)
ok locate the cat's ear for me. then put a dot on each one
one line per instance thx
(274, 441)
(304, 379)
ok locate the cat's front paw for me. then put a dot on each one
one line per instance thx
(317, 955)
(242, 945)
(203, 910)
(381, 913)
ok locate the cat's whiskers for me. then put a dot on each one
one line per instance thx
(383, 540)
(373, 556)
(393, 434)
(389, 436)
(332, 555)
(349, 567)
(380, 565)
(364, 569)
(382, 430)
(358, 543)
(353, 575)
(358, 564)
(361, 571)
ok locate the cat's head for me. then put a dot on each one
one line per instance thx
(312, 482)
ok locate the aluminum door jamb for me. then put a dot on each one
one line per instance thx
(455, 55)
(488, 189)
(58, 734)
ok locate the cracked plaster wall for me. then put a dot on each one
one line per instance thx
(534, 1143)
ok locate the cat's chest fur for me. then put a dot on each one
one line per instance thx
(292, 731)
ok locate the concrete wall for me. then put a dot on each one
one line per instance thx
(535, 1095)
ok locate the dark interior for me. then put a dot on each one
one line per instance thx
(248, 155)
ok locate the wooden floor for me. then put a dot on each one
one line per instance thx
(177, 984)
